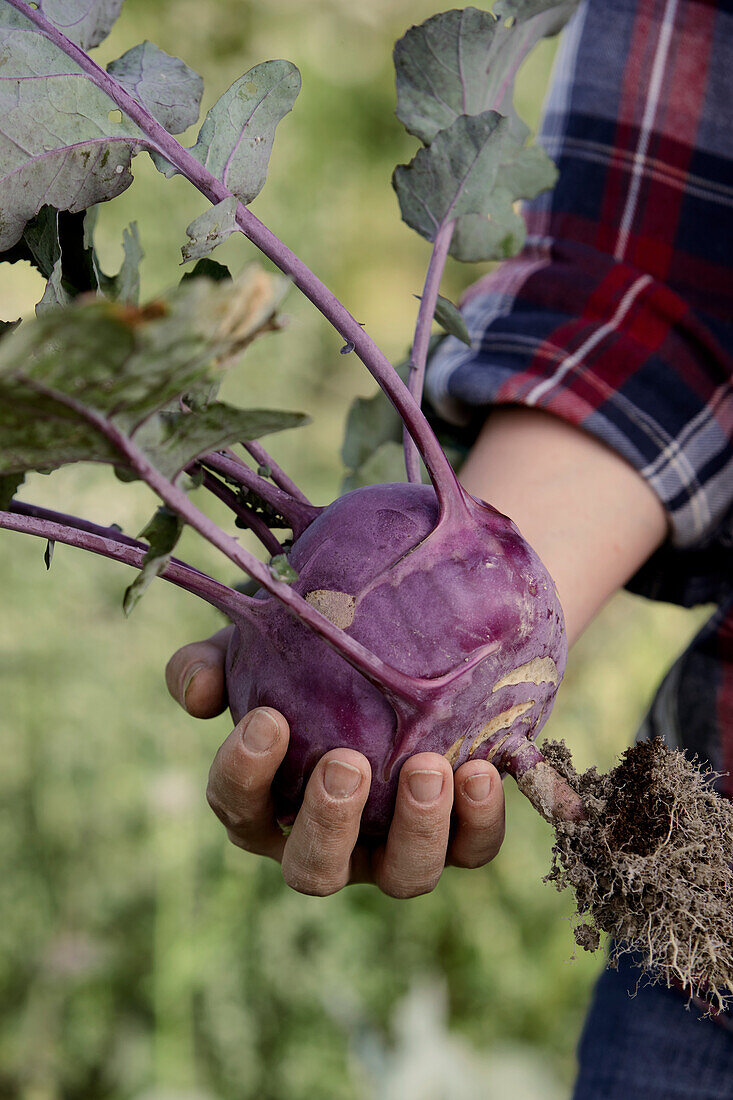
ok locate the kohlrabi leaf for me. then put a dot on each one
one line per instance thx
(370, 422)
(54, 295)
(161, 534)
(39, 244)
(445, 68)
(9, 484)
(125, 285)
(85, 22)
(450, 318)
(385, 464)
(501, 234)
(210, 229)
(474, 167)
(60, 246)
(169, 89)
(235, 140)
(174, 438)
(58, 145)
(211, 269)
(62, 372)
(554, 14)
(464, 63)
(281, 569)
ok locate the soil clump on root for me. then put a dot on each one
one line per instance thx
(652, 866)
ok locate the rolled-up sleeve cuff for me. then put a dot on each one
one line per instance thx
(617, 353)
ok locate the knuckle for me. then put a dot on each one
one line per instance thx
(232, 819)
(308, 880)
(402, 889)
(332, 818)
(216, 805)
(237, 840)
(425, 828)
(470, 859)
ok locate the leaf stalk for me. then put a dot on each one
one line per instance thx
(439, 469)
(421, 341)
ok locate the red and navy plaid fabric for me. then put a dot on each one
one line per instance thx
(618, 314)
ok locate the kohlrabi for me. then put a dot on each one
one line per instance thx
(404, 616)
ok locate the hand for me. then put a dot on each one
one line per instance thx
(439, 816)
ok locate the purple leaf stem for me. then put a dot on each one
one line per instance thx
(218, 595)
(254, 522)
(421, 342)
(260, 455)
(21, 508)
(448, 491)
(382, 675)
(298, 514)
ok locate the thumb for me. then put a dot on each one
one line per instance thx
(196, 678)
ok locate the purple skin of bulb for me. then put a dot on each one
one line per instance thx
(469, 612)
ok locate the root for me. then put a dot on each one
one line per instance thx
(652, 866)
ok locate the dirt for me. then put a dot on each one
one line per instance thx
(651, 866)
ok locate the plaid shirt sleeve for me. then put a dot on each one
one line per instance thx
(618, 314)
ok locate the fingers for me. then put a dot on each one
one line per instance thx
(240, 779)
(195, 675)
(414, 856)
(317, 855)
(478, 815)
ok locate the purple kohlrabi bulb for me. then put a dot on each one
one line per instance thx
(470, 607)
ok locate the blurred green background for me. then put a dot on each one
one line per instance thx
(141, 956)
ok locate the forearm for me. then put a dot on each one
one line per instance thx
(589, 515)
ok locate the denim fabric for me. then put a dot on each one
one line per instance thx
(651, 1046)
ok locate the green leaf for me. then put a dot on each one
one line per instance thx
(210, 229)
(125, 285)
(385, 464)
(211, 269)
(554, 15)
(127, 365)
(39, 244)
(85, 22)
(48, 552)
(235, 140)
(464, 63)
(162, 534)
(54, 295)
(474, 167)
(371, 421)
(281, 569)
(177, 438)
(451, 319)
(60, 245)
(169, 89)
(58, 145)
(9, 483)
(450, 65)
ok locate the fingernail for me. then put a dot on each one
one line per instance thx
(425, 786)
(477, 787)
(260, 732)
(340, 779)
(189, 680)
